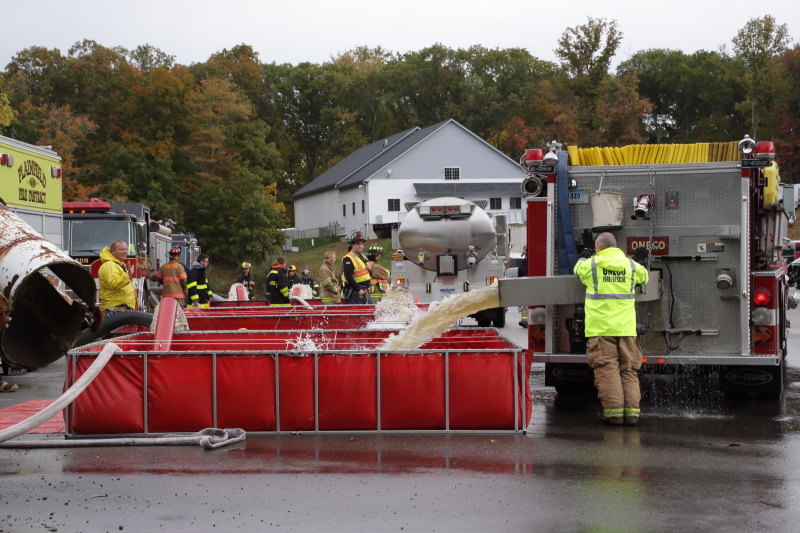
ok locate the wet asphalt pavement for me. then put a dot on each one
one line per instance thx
(697, 462)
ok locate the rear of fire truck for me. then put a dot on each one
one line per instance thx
(712, 218)
(189, 247)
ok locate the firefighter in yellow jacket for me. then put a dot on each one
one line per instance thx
(612, 350)
(116, 288)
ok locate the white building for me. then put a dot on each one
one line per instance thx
(370, 189)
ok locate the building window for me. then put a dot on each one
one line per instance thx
(495, 203)
(394, 204)
(354, 208)
(452, 173)
(516, 203)
(363, 208)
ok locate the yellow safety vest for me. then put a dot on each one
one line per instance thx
(610, 277)
(360, 270)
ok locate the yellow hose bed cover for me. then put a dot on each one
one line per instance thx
(654, 154)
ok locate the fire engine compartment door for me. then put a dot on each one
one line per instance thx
(562, 290)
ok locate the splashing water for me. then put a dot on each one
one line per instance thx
(304, 343)
(394, 310)
(441, 316)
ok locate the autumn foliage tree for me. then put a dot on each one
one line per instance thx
(221, 146)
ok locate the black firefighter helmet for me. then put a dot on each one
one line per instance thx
(356, 237)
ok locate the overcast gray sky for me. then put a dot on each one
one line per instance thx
(294, 31)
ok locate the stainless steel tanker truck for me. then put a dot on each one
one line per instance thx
(449, 246)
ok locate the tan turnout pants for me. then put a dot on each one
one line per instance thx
(615, 361)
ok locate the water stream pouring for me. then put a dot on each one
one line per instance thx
(46, 321)
(441, 316)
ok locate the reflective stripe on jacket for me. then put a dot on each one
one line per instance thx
(328, 285)
(380, 279)
(278, 285)
(173, 277)
(610, 277)
(197, 286)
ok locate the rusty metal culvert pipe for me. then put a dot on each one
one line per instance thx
(45, 321)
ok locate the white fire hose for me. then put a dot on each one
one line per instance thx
(303, 302)
(208, 438)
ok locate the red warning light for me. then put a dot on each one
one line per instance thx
(762, 297)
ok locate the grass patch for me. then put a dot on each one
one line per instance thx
(221, 276)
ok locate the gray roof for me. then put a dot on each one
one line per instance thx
(365, 161)
(461, 188)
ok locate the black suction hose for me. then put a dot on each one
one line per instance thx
(109, 324)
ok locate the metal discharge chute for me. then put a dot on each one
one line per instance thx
(45, 320)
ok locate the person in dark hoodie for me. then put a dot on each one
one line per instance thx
(197, 283)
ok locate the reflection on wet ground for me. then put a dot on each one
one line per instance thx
(677, 411)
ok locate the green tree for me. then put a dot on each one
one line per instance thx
(625, 111)
(427, 82)
(146, 58)
(310, 100)
(370, 96)
(586, 52)
(130, 175)
(241, 67)
(6, 113)
(758, 48)
(499, 85)
(693, 96)
(788, 119)
(231, 196)
(237, 217)
(69, 134)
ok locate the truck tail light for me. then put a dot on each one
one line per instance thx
(55, 172)
(762, 297)
(6, 160)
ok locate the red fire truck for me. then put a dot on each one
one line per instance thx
(91, 226)
(712, 219)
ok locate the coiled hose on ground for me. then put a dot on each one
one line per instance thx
(208, 439)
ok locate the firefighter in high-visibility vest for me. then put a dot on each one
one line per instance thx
(612, 350)
(278, 283)
(379, 283)
(355, 274)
